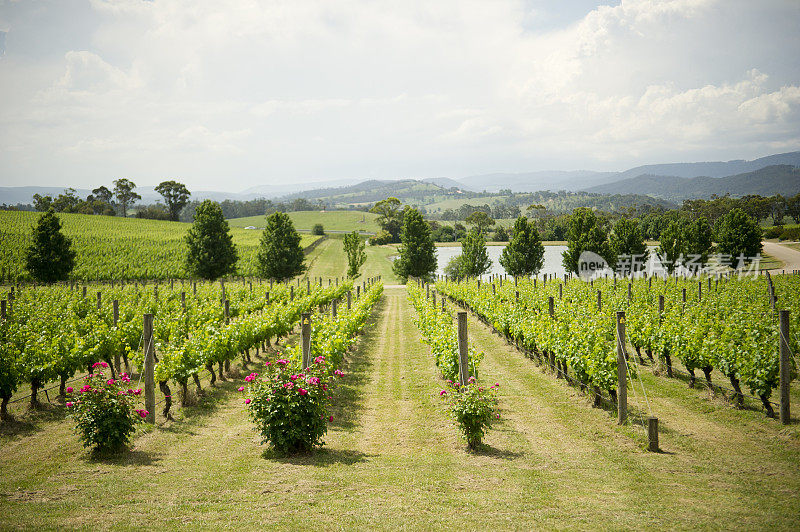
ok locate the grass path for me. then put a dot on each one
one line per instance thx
(329, 260)
(393, 459)
(721, 467)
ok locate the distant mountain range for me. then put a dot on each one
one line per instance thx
(674, 182)
(778, 179)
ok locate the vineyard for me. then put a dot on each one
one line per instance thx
(118, 248)
(390, 455)
(730, 326)
(200, 330)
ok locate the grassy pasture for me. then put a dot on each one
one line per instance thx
(330, 220)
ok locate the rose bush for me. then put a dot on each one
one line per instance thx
(289, 406)
(104, 410)
(473, 407)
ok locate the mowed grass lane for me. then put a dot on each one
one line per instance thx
(328, 260)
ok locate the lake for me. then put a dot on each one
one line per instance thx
(552, 259)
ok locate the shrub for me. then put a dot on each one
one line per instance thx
(318, 229)
(473, 408)
(790, 234)
(380, 238)
(104, 410)
(774, 232)
(290, 409)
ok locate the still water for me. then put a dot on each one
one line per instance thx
(552, 259)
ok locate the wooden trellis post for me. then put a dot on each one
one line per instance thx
(305, 337)
(622, 381)
(785, 368)
(463, 360)
(149, 365)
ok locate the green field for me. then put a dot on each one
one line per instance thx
(455, 203)
(330, 220)
(117, 248)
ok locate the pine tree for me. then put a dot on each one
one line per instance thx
(280, 255)
(417, 252)
(524, 254)
(475, 260)
(212, 253)
(50, 257)
(356, 256)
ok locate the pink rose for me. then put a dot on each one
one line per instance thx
(247, 401)
(241, 388)
(330, 418)
(302, 391)
(70, 403)
(69, 389)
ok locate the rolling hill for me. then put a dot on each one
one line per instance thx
(777, 179)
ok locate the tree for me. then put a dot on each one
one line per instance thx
(390, 217)
(524, 254)
(356, 256)
(699, 242)
(123, 190)
(584, 233)
(211, 251)
(100, 201)
(480, 220)
(626, 240)
(777, 209)
(50, 257)
(792, 208)
(417, 252)
(739, 237)
(672, 247)
(455, 267)
(103, 194)
(318, 229)
(501, 235)
(280, 255)
(475, 260)
(67, 202)
(42, 203)
(176, 196)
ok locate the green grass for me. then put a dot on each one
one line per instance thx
(393, 459)
(111, 247)
(329, 260)
(456, 203)
(330, 220)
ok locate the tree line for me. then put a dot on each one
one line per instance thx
(686, 240)
(211, 252)
(111, 202)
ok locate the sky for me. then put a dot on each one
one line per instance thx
(231, 95)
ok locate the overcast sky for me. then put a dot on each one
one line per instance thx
(225, 95)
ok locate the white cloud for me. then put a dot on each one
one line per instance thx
(274, 90)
